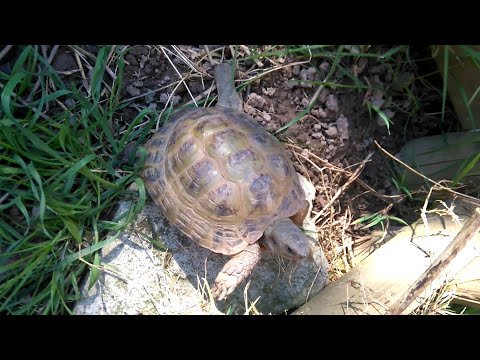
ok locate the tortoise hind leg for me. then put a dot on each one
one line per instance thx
(236, 270)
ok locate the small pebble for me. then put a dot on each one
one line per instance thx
(331, 103)
(296, 70)
(342, 127)
(132, 90)
(332, 131)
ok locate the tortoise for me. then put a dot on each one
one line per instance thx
(227, 184)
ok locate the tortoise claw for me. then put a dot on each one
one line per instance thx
(225, 284)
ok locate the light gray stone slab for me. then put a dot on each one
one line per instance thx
(143, 279)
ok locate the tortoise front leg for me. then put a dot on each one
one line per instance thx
(236, 270)
(301, 214)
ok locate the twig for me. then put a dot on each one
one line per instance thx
(109, 60)
(355, 174)
(148, 93)
(179, 54)
(387, 198)
(78, 49)
(80, 67)
(182, 80)
(424, 212)
(303, 166)
(210, 59)
(469, 230)
(167, 102)
(205, 94)
(262, 74)
(5, 50)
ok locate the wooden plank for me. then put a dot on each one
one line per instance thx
(466, 234)
(374, 285)
(461, 66)
(438, 157)
(468, 284)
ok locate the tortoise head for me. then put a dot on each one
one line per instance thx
(227, 96)
(283, 237)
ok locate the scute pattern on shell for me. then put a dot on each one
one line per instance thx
(220, 178)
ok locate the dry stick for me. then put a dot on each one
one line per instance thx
(210, 59)
(467, 198)
(303, 166)
(78, 50)
(387, 198)
(80, 67)
(469, 230)
(168, 101)
(180, 55)
(147, 93)
(5, 50)
(178, 73)
(355, 174)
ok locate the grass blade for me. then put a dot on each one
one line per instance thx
(7, 94)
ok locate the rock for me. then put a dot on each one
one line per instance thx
(164, 98)
(377, 98)
(332, 103)
(307, 75)
(324, 66)
(149, 280)
(290, 84)
(319, 113)
(331, 131)
(256, 100)
(132, 90)
(269, 91)
(266, 116)
(248, 109)
(296, 70)
(342, 127)
(149, 98)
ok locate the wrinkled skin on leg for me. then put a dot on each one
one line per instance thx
(283, 237)
(236, 270)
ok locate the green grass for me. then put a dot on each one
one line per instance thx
(61, 146)
(58, 181)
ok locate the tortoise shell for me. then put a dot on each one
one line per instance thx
(220, 178)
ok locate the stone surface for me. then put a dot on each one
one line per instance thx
(144, 279)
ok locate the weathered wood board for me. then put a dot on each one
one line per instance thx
(379, 280)
(468, 284)
(464, 77)
(440, 156)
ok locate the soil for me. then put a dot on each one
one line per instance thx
(339, 128)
